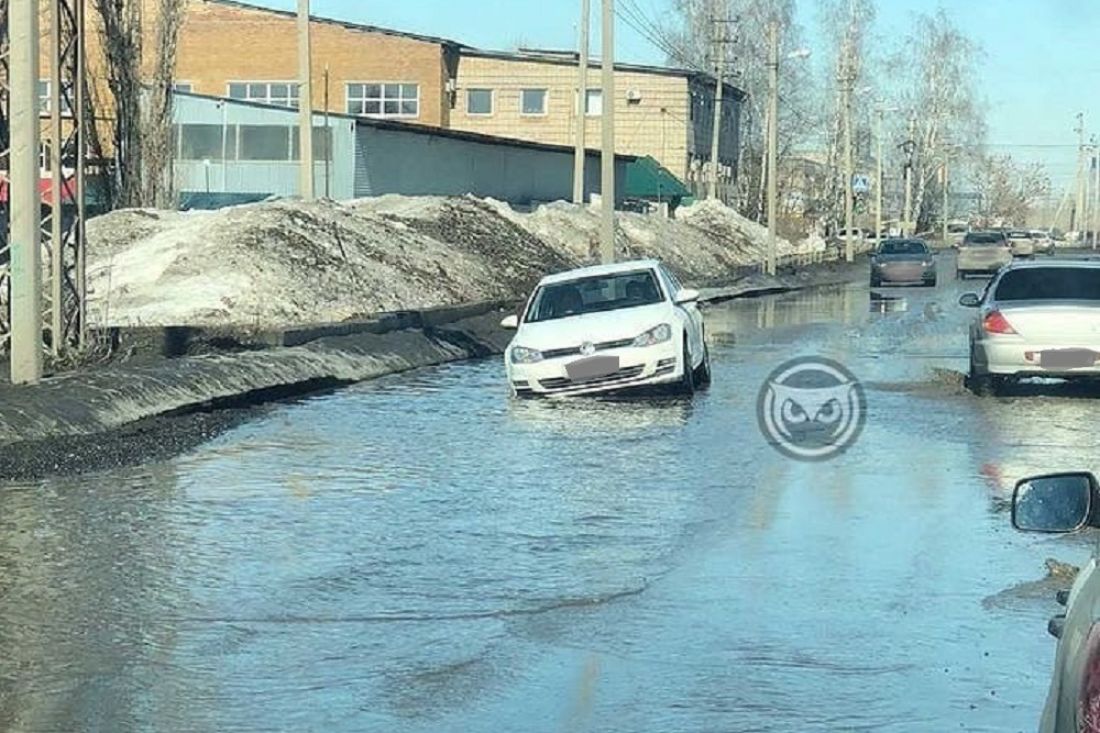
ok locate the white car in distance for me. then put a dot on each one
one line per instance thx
(608, 328)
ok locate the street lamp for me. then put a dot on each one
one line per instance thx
(773, 135)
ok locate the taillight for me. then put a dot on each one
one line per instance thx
(1088, 697)
(995, 322)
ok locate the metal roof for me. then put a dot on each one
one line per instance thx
(342, 23)
(567, 58)
(597, 270)
(571, 58)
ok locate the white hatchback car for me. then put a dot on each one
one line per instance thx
(607, 328)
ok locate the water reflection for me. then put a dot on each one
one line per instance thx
(602, 415)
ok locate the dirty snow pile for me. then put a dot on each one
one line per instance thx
(289, 262)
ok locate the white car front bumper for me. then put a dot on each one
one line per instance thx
(638, 367)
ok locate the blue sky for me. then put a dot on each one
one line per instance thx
(1040, 68)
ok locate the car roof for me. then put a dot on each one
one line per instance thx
(1092, 263)
(597, 270)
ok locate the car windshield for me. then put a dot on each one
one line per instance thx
(984, 239)
(903, 247)
(1049, 283)
(1019, 235)
(594, 295)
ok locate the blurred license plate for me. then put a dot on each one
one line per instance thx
(596, 366)
(1067, 358)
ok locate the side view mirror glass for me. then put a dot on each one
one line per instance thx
(1053, 503)
(687, 295)
(510, 322)
(970, 300)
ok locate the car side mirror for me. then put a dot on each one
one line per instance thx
(510, 322)
(687, 295)
(1057, 503)
(970, 300)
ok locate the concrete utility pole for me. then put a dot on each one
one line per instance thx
(1075, 221)
(773, 139)
(719, 45)
(23, 197)
(607, 153)
(1096, 196)
(879, 114)
(56, 142)
(943, 214)
(582, 105)
(305, 103)
(846, 106)
(910, 146)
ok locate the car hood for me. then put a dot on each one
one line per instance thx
(615, 325)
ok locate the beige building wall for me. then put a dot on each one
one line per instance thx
(652, 111)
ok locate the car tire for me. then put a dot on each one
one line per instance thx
(702, 373)
(876, 282)
(687, 379)
(984, 384)
(930, 283)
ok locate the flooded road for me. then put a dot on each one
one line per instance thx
(423, 554)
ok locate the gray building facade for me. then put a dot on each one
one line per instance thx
(226, 146)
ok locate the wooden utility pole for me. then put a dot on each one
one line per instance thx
(305, 103)
(718, 29)
(607, 152)
(23, 195)
(582, 105)
(910, 146)
(773, 140)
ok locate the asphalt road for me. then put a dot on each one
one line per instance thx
(421, 553)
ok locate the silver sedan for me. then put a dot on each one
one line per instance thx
(1036, 319)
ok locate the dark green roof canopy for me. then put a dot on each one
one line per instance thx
(648, 179)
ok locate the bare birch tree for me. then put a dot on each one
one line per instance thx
(688, 40)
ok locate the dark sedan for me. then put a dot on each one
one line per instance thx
(903, 262)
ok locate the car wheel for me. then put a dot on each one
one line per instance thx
(930, 283)
(687, 379)
(702, 373)
(876, 282)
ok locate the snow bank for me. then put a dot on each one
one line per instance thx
(289, 262)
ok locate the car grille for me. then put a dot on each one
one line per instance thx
(565, 383)
(574, 350)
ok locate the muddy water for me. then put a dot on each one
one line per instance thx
(421, 554)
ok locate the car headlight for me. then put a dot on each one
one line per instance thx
(655, 335)
(523, 355)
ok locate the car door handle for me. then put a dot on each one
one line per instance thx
(1057, 625)
(1062, 597)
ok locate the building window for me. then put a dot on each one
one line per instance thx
(201, 142)
(277, 93)
(533, 101)
(182, 86)
(593, 102)
(44, 99)
(384, 100)
(479, 101)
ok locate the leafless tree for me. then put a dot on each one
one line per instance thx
(141, 120)
(940, 111)
(1009, 190)
(689, 41)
